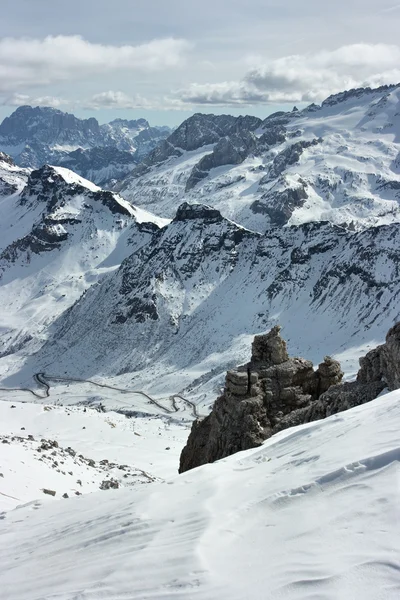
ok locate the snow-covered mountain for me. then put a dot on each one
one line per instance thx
(36, 136)
(337, 162)
(60, 234)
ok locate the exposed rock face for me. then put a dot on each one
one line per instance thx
(279, 204)
(256, 398)
(383, 363)
(273, 392)
(100, 165)
(290, 156)
(232, 136)
(228, 151)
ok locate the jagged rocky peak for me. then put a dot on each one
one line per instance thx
(201, 129)
(269, 349)
(53, 186)
(36, 136)
(273, 392)
(130, 124)
(189, 212)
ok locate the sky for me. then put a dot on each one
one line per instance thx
(165, 59)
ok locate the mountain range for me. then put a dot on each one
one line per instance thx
(229, 226)
(337, 162)
(40, 135)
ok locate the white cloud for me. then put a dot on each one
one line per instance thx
(33, 62)
(116, 100)
(22, 99)
(120, 100)
(303, 78)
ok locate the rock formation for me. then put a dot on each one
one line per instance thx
(273, 392)
(257, 396)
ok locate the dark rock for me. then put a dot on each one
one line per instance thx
(49, 492)
(108, 484)
(188, 212)
(230, 150)
(279, 205)
(65, 495)
(290, 156)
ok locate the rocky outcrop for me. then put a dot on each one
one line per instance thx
(232, 136)
(273, 392)
(290, 156)
(257, 396)
(279, 205)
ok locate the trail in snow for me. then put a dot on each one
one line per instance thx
(42, 380)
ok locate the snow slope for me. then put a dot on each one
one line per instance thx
(313, 513)
(337, 162)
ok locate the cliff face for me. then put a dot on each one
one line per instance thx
(273, 392)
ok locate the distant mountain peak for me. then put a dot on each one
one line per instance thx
(34, 136)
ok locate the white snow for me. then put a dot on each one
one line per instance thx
(149, 447)
(312, 514)
(71, 177)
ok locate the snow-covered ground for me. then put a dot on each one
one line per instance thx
(312, 514)
(72, 450)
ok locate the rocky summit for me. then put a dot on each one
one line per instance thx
(273, 392)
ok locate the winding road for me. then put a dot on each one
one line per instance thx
(43, 380)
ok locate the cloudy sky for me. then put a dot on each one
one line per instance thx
(165, 59)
